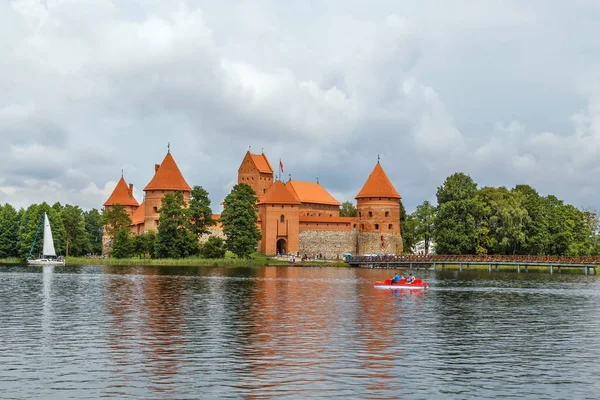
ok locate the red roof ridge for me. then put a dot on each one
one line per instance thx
(378, 185)
(311, 192)
(122, 194)
(168, 177)
(138, 216)
(278, 193)
(261, 162)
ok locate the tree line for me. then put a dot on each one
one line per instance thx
(490, 220)
(76, 232)
(182, 224)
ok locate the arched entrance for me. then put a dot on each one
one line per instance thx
(281, 246)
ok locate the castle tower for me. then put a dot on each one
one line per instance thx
(123, 195)
(378, 211)
(167, 179)
(256, 172)
(279, 212)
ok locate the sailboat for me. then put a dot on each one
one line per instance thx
(48, 253)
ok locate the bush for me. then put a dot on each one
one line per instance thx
(214, 247)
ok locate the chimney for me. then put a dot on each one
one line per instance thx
(156, 167)
(131, 189)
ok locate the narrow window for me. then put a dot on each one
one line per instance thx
(354, 226)
(390, 227)
(370, 213)
(155, 209)
(359, 214)
(282, 218)
(387, 213)
(362, 226)
(376, 226)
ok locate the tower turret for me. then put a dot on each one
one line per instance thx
(378, 213)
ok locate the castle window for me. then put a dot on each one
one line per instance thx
(156, 222)
(387, 213)
(377, 226)
(282, 218)
(359, 214)
(370, 213)
(155, 209)
(264, 191)
(354, 226)
(362, 226)
(390, 227)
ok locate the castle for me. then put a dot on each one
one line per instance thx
(293, 216)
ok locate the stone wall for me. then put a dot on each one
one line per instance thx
(331, 243)
(214, 231)
(379, 243)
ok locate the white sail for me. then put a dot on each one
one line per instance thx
(48, 241)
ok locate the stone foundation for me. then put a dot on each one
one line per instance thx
(333, 244)
(379, 243)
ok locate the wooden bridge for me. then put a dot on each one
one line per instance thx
(435, 261)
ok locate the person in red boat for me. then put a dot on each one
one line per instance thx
(396, 278)
(411, 278)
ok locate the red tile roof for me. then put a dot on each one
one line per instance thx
(378, 185)
(121, 195)
(262, 163)
(138, 216)
(168, 177)
(309, 192)
(278, 193)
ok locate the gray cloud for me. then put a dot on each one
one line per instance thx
(434, 88)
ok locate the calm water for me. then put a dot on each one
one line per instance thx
(277, 332)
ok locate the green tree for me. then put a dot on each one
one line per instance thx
(29, 225)
(199, 212)
(9, 231)
(144, 244)
(536, 235)
(75, 232)
(425, 216)
(239, 220)
(455, 231)
(409, 233)
(95, 229)
(114, 219)
(501, 220)
(174, 238)
(122, 244)
(214, 247)
(347, 209)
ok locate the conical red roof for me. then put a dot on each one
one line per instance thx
(278, 193)
(122, 195)
(378, 185)
(168, 177)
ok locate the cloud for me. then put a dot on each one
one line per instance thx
(91, 87)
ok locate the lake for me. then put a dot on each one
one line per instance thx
(286, 332)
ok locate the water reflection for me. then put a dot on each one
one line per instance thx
(164, 332)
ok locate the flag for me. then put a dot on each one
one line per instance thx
(280, 165)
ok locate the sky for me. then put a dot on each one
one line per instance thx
(507, 92)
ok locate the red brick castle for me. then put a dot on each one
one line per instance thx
(293, 216)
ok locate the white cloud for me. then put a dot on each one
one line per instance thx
(88, 88)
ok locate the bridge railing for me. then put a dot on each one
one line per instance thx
(438, 258)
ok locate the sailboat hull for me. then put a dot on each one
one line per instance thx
(45, 262)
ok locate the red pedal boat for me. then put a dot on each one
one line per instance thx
(387, 284)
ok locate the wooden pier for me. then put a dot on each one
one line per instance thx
(464, 262)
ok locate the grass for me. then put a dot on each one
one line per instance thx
(230, 260)
(11, 260)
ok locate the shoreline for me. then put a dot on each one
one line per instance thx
(229, 261)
